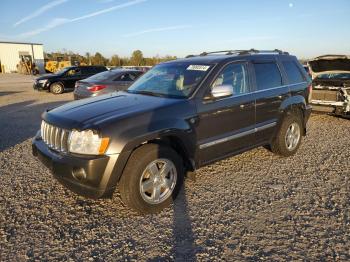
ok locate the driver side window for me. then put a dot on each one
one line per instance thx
(73, 72)
(234, 75)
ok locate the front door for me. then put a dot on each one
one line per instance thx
(71, 77)
(226, 125)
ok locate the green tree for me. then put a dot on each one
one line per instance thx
(115, 61)
(137, 58)
(88, 58)
(98, 59)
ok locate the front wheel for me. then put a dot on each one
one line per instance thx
(151, 179)
(288, 138)
(56, 88)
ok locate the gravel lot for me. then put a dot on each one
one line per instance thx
(255, 206)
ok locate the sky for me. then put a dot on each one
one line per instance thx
(306, 28)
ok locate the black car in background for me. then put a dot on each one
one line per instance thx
(65, 79)
(105, 82)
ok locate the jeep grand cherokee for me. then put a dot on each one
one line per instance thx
(178, 117)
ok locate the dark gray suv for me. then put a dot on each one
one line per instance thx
(176, 118)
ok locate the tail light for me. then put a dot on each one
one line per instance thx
(309, 90)
(96, 88)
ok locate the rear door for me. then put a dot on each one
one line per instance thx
(86, 72)
(271, 91)
(296, 78)
(226, 125)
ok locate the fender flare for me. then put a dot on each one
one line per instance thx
(132, 145)
(297, 102)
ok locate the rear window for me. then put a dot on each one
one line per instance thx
(293, 73)
(102, 76)
(267, 75)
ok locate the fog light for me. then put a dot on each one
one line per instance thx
(79, 173)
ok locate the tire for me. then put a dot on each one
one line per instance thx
(138, 187)
(56, 88)
(289, 136)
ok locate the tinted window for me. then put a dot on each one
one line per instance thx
(85, 70)
(267, 75)
(74, 72)
(99, 69)
(234, 75)
(293, 72)
(125, 77)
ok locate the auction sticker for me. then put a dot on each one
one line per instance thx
(198, 67)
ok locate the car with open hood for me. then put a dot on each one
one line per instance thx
(331, 84)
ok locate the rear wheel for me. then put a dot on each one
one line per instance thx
(151, 179)
(288, 138)
(56, 88)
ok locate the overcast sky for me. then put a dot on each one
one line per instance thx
(179, 27)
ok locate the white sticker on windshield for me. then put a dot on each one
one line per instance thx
(198, 67)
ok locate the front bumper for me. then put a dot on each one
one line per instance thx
(38, 86)
(90, 176)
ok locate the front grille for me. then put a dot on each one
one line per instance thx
(54, 137)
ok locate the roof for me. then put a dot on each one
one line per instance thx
(20, 43)
(219, 56)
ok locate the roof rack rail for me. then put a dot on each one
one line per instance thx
(243, 52)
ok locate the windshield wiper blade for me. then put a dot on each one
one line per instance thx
(144, 92)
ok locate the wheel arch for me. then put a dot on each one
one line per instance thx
(291, 105)
(174, 140)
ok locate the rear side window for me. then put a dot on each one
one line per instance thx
(293, 73)
(267, 75)
(99, 69)
(85, 70)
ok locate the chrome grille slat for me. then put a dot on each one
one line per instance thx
(45, 136)
(57, 139)
(51, 135)
(54, 137)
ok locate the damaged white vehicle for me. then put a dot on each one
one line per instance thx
(331, 84)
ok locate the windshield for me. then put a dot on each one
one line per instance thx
(170, 80)
(334, 76)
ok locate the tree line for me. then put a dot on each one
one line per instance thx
(136, 59)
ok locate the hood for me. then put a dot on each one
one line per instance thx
(82, 114)
(329, 64)
(46, 76)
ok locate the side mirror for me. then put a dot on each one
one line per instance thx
(222, 91)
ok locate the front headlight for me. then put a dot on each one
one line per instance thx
(43, 82)
(87, 142)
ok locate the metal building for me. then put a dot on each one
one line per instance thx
(11, 53)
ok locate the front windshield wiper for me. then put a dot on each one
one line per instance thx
(144, 92)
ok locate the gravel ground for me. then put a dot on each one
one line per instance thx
(255, 206)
